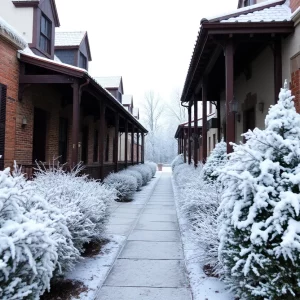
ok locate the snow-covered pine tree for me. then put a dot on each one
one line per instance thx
(216, 160)
(260, 231)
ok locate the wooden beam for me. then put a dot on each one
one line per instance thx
(126, 143)
(219, 120)
(102, 138)
(195, 132)
(184, 145)
(143, 147)
(75, 123)
(138, 146)
(189, 135)
(229, 78)
(204, 120)
(277, 69)
(132, 145)
(116, 143)
(45, 79)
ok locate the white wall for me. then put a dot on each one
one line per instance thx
(19, 18)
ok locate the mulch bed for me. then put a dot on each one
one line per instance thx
(93, 248)
(209, 271)
(65, 290)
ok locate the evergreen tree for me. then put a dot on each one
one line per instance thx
(259, 212)
(217, 159)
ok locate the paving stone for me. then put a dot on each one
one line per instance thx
(121, 221)
(155, 236)
(152, 250)
(118, 229)
(138, 293)
(149, 225)
(147, 273)
(158, 218)
(129, 210)
(162, 211)
(125, 216)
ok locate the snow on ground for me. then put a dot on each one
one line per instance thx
(202, 286)
(92, 271)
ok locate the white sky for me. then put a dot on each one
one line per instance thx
(148, 43)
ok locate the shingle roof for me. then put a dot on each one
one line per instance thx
(71, 38)
(278, 13)
(109, 82)
(126, 99)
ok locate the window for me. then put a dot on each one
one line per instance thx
(95, 152)
(2, 123)
(82, 61)
(45, 36)
(209, 143)
(214, 141)
(210, 107)
(246, 3)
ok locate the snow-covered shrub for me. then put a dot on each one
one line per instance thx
(153, 167)
(135, 174)
(178, 160)
(216, 160)
(27, 250)
(83, 202)
(144, 170)
(125, 184)
(260, 221)
(199, 201)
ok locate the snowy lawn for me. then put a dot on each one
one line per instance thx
(92, 271)
(203, 287)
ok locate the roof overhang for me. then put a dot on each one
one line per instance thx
(207, 42)
(77, 73)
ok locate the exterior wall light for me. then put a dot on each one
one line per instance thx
(261, 107)
(233, 105)
(24, 121)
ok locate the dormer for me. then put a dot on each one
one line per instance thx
(114, 84)
(73, 48)
(244, 3)
(127, 101)
(136, 113)
(35, 20)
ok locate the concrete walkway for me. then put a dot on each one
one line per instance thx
(151, 265)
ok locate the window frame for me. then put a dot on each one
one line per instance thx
(45, 36)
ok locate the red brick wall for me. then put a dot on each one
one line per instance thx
(295, 87)
(9, 76)
(294, 4)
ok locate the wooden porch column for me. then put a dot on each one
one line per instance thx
(126, 143)
(116, 142)
(184, 145)
(138, 146)
(75, 123)
(189, 135)
(102, 138)
(230, 118)
(196, 135)
(132, 145)
(219, 119)
(143, 147)
(204, 120)
(277, 69)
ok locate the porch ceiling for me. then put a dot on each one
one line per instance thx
(208, 58)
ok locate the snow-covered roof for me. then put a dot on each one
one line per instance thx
(109, 82)
(8, 31)
(126, 99)
(278, 13)
(69, 38)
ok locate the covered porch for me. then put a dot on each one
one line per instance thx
(65, 114)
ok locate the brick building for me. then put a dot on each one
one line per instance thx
(54, 107)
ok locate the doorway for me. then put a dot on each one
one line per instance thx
(39, 135)
(249, 119)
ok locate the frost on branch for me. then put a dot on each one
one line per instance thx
(27, 248)
(178, 160)
(144, 170)
(216, 160)
(153, 167)
(260, 232)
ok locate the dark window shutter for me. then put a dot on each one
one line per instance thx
(2, 123)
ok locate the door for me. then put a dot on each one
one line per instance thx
(249, 119)
(85, 139)
(39, 135)
(63, 140)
